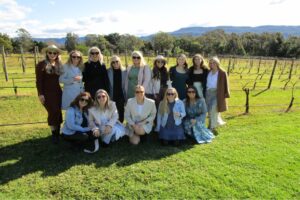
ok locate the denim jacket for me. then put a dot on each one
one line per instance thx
(162, 119)
(73, 121)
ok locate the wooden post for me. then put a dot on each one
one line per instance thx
(291, 69)
(229, 65)
(259, 65)
(126, 62)
(4, 63)
(271, 77)
(247, 91)
(36, 55)
(23, 65)
(15, 87)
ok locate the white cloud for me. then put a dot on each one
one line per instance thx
(10, 10)
(275, 2)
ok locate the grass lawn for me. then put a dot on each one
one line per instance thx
(255, 156)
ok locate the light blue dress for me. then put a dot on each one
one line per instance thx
(71, 88)
(198, 131)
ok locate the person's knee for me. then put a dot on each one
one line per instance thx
(135, 140)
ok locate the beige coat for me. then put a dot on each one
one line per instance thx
(222, 91)
(146, 117)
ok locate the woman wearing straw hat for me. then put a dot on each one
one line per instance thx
(48, 88)
(216, 93)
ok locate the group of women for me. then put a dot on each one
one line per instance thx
(97, 100)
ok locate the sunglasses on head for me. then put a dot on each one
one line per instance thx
(139, 92)
(84, 100)
(101, 96)
(76, 57)
(114, 62)
(52, 53)
(170, 94)
(94, 53)
(136, 57)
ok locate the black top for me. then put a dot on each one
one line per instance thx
(162, 74)
(117, 86)
(84, 120)
(95, 77)
(198, 78)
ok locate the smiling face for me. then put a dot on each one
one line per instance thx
(83, 101)
(171, 94)
(181, 61)
(101, 98)
(75, 58)
(136, 59)
(95, 55)
(213, 65)
(197, 61)
(52, 55)
(115, 63)
(160, 63)
(191, 93)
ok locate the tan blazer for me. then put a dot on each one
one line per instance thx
(146, 117)
(222, 91)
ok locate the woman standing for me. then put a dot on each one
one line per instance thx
(71, 78)
(194, 122)
(139, 114)
(179, 76)
(159, 79)
(216, 93)
(117, 76)
(137, 74)
(198, 74)
(48, 88)
(103, 118)
(169, 118)
(94, 73)
(75, 129)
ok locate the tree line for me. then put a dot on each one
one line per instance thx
(214, 42)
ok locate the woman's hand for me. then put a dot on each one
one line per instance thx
(96, 133)
(107, 130)
(77, 78)
(177, 114)
(42, 99)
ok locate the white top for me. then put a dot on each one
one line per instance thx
(212, 80)
(139, 108)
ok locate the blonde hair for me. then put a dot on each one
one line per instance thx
(107, 103)
(138, 53)
(115, 57)
(163, 106)
(100, 55)
(216, 60)
(69, 61)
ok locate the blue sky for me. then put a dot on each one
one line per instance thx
(53, 18)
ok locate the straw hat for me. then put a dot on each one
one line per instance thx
(52, 48)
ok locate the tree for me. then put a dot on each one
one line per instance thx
(234, 45)
(130, 43)
(6, 42)
(113, 40)
(71, 41)
(23, 40)
(162, 42)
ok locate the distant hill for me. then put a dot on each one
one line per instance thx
(197, 31)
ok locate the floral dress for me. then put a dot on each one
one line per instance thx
(198, 131)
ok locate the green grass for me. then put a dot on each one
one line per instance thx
(255, 156)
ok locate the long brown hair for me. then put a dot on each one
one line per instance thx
(75, 102)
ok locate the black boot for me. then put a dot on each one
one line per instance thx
(55, 136)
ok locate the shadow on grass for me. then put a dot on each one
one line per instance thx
(41, 155)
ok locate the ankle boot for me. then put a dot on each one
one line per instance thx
(55, 136)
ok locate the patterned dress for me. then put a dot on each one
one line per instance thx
(198, 131)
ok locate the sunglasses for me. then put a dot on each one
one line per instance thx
(101, 97)
(114, 62)
(160, 62)
(191, 92)
(136, 57)
(84, 100)
(76, 57)
(94, 53)
(52, 53)
(170, 94)
(139, 92)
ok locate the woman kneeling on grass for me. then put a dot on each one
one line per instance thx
(75, 129)
(169, 118)
(194, 122)
(103, 119)
(139, 114)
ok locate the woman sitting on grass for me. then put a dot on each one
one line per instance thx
(194, 122)
(169, 118)
(139, 114)
(103, 119)
(75, 129)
